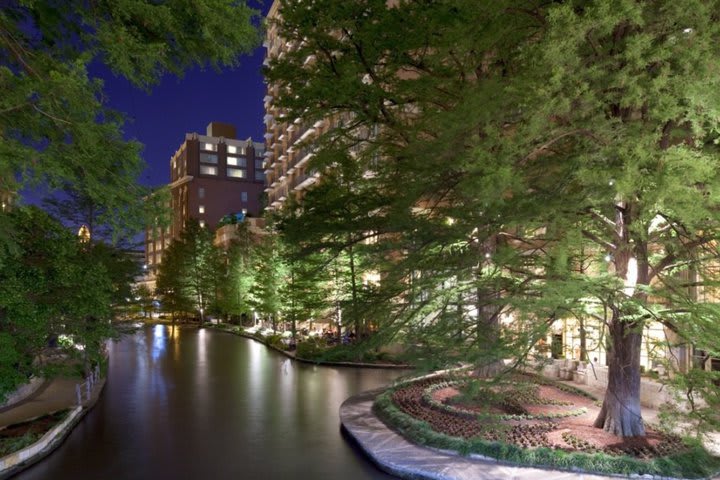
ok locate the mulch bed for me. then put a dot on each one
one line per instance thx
(19, 435)
(506, 414)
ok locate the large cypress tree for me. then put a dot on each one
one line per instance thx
(513, 142)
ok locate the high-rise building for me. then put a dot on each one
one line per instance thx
(211, 176)
(288, 140)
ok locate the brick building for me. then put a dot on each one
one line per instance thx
(211, 176)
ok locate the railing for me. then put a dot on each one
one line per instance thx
(85, 389)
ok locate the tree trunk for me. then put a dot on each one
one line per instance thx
(620, 413)
(487, 328)
(353, 287)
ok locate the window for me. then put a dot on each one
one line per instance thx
(244, 211)
(208, 157)
(208, 170)
(236, 172)
(243, 196)
(212, 147)
(234, 149)
(202, 223)
(237, 161)
(258, 164)
(201, 209)
(259, 175)
(201, 192)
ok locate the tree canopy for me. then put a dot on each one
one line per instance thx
(527, 163)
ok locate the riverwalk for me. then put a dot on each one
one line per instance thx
(54, 395)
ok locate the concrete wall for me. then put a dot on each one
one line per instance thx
(39, 448)
(23, 392)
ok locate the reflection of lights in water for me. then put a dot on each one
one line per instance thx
(202, 349)
(159, 341)
(175, 336)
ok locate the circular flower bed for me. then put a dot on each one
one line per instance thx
(530, 420)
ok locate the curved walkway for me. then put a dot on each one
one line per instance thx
(396, 455)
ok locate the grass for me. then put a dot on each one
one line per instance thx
(695, 462)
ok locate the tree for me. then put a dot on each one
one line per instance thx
(50, 285)
(271, 276)
(552, 133)
(238, 278)
(188, 276)
(54, 126)
(306, 292)
(143, 298)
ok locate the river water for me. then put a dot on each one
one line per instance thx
(183, 403)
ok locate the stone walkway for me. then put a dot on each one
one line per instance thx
(394, 454)
(56, 394)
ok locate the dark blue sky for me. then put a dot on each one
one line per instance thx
(160, 118)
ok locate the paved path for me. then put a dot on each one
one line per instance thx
(54, 395)
(395, 455)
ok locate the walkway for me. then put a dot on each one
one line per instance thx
(396, 455)
(54, 395)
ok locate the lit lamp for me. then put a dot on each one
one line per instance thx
(84, 234)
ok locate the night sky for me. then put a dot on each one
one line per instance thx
(161, 118)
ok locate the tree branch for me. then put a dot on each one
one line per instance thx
(604, 243)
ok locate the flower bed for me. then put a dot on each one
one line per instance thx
(425, 412)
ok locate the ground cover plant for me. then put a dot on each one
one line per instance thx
(18, 436)
(530, 420)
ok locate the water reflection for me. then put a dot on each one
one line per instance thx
(218, 407)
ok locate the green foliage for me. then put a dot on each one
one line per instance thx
(53, 122)
(34, 430)
(239, 276)
(498, 154)
(52, 284)
(270, 279)
(188, 276)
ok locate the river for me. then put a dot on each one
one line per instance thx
(183, 403)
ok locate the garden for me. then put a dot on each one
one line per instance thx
(527, 419)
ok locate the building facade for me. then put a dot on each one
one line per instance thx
(211, 175)
(288, 141)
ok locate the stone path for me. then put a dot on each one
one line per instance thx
(395, 455)
(57, 394)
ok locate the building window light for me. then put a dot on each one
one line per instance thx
(208, 170)
(201, 209)
(243, 197)
(236, 173)
(201, 192)
(212, 147)
(235, 149)
(237, 161)
(202, 223)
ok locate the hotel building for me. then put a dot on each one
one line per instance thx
(211, 175)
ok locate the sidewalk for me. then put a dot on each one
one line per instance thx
(56, 394)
